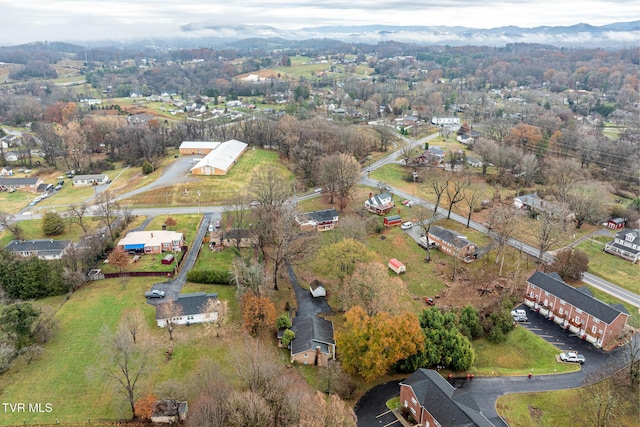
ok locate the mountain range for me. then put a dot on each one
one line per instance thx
(621, 34)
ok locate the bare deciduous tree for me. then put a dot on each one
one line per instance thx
(8, 221)
(128, 365)
(547, 232)
(505, 220)
(455, 190)
(169, 310)
(339, 173)
(76, 214)
(107, 210)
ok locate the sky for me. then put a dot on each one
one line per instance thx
(24, 21)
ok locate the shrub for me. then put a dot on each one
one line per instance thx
(147, 168)
(287, 337)
(210, 277)
(283, 322)
(52, 224)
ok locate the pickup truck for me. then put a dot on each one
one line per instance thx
(572, 356)
(154, 294)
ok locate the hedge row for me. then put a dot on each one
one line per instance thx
(210, 277)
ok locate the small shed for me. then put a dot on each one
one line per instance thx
(392, 220)
(615, 223)
(397, 266)
(317, 289)
(168, 259)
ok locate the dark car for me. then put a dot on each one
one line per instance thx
(154, 294)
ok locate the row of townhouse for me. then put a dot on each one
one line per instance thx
(576, 309)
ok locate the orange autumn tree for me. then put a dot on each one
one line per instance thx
(526, 136)
(370, 345)
(258, 314)
(144, 406)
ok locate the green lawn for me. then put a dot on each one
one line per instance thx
(557, 408)
(32, 229)
(419, 277)
(222, 260)
(610, 267)
(523, 352)
(69, 374)
(634, 312)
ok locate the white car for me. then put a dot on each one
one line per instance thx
(406, 225)
(572, 356)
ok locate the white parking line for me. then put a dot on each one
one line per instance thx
(392, 423)
(383, 414)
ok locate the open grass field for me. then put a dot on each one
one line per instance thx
(610, 267)
(565, 408)
(70, 373)
(420, 278)
(523, 352)
(33, 230)
(212, 190)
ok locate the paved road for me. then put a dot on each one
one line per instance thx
(173, 287)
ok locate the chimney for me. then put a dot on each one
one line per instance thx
(317, 355)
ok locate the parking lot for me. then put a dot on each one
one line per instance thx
(565, 340)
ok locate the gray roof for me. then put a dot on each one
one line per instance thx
(86, 177)
(190, 303)
(43, 247)
(322, 216)
(311, 332)
(9, 181)
(622, 235)
(315, 285)
(376, 199)
(449, 236)
(438, 397)
(575, 297)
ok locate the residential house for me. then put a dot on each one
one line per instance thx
(625, 245)
(152, 242)
(28, 184)
(169, 412)
(219, 160)
(198, 307)
(615, 223)
(575, 309)
(46, 249)
(96, 179)
(234, 103)
(452, 244)
(322, 220)
(380, 203)
(234, 238)
(535, 203)
(314, 343)
(317, 289)
(432, 156)
(433, 401)
(474, 161)
(6, 172)
(197, 147)
(445, 121)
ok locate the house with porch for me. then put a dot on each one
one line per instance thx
(188, 309)
(152, 241)
(379, 204)
(445, 121)
(533, 202)
(575, 309)
(626, 245)
(452, 244)
(433, 401)
(233, 238)
(322, 220)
